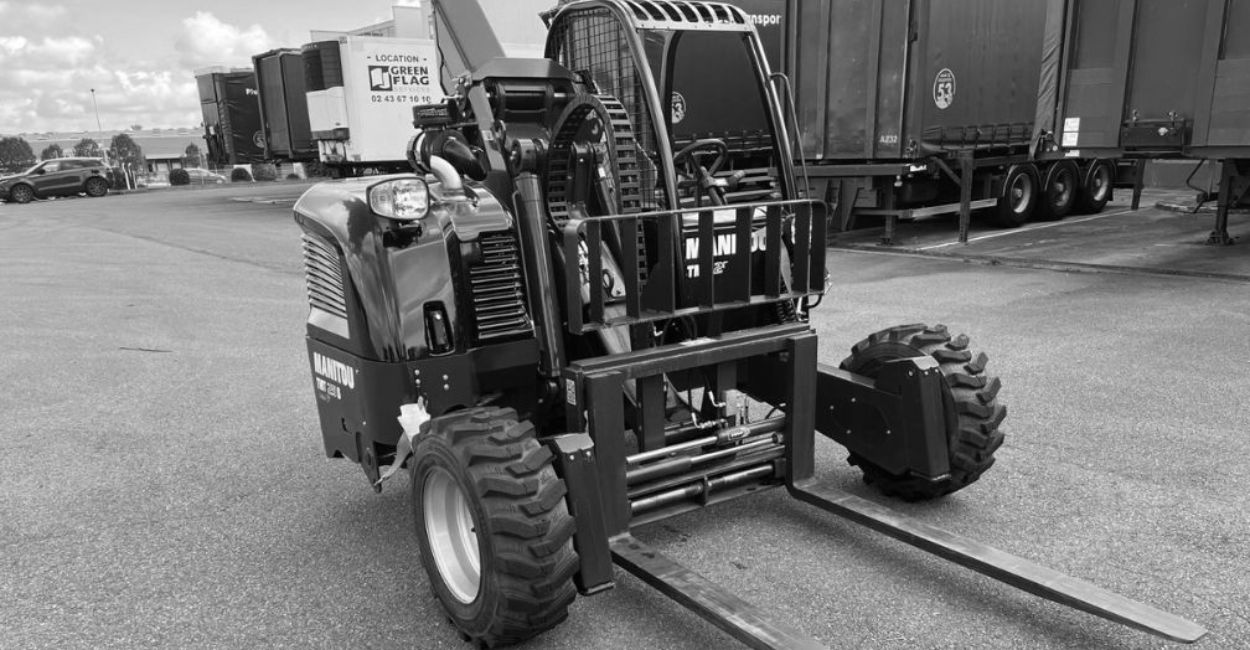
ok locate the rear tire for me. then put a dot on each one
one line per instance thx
(973, 413)
(1059, 190)
(96, 187)
(1019, 195)
(1096, 186)
(494, 530)
(21, 194)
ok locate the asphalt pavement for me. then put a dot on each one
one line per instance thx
(163, 483)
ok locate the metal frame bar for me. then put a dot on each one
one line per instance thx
(806, 271)
(740, 619)
(594, 390)
(965, 217)
(1015, 571)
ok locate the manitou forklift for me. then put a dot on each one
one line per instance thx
(588, 311)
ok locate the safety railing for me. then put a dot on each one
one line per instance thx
(701, 260)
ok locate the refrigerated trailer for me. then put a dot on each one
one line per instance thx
(910, 109)
(283, 106)
(1160, 79)
(360, 93)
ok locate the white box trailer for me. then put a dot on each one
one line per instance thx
(361, 90)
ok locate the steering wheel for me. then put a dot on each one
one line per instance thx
(687, 158)
(696, 175)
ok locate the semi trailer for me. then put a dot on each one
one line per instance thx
(232, 124)
(1159, 79)
(283, 106)
(913, 109)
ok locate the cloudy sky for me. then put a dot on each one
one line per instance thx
(139, 54)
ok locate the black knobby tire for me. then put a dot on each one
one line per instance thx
(973, 413)
(1096, 187)
(1018, 198)
(96, 187)
(1060, 187)
(21, 193)
(521, 528)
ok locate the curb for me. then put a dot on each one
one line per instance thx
(1192, 207)
(1042, 264)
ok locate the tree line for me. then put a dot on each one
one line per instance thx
(16, 154)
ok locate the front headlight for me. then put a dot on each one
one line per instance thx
(402, 199)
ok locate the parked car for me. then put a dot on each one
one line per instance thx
(204, 177)
(58, 177)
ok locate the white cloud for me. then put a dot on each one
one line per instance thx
(206, 40)
(45, 13)
(20, 17)
(48, 67)
(45, 53)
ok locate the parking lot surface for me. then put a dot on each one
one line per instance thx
(163, 484)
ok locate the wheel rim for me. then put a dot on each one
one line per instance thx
(1099, 183)
(95, 187)
(452, 535)
(1021, 193)
(1061, 190)
(22, 194)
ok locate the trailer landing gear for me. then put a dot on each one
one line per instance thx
(1234, 186)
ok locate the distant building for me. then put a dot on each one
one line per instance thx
(406, 22)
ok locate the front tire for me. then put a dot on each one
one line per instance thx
(21, 194)
(96, 187)
(494, 531)
(970, 396)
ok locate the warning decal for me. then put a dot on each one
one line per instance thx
(944, 88)
(1071, 131)
(679, 107)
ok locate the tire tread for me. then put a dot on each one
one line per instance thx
(527, 523)
(975, 435)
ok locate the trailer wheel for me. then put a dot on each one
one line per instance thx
(1018, 199)
(973, 413)
(1096, 187)
(1059, 190)
(494, 531)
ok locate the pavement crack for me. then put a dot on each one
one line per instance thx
(129, 349)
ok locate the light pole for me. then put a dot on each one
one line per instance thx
(97, 112)
(100, 129)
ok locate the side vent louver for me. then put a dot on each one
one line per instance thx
(498, 292)
(324, 275)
